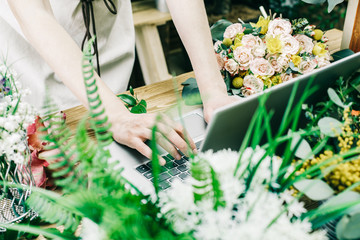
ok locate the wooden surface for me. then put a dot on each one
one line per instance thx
(148, 43)
(161, 96)
(355, 38)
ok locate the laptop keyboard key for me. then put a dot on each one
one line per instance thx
(181, 161)
(183, 168)
(164, 176)
(148, 175)
(142, 168)
(174, 172)
(164, 185)
(183, 175)
(170, 165)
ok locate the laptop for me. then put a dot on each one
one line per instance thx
(228, 125)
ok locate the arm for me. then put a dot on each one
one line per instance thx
(190, 19)
(64, 56)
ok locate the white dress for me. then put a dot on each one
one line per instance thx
(116, 44)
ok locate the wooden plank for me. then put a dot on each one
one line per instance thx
(355, 38)
(334, 36)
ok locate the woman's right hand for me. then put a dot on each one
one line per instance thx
(134, 129)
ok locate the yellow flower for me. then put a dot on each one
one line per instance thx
(318, 34)
(296, 60)
(274, 44)
(236, 45)
(276, 80)
(263, 23)
(319, 49)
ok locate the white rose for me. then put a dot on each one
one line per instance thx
(290, 44)
(244, 57)
(307, 66)
(250, 41)
(253, 83)
(274, 63)
(232, 30)
(259, 51)
(279, 26)
(322, 61)
(217, 44)
(306, 43)
(286, 77)
(231, 66)
(262, 67)
(283, 61)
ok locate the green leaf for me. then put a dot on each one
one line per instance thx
(349, 227)
(128, 99)
(131, 91)
(190, 92)
(355, 83)
(330, 126)
(314, 1)
(304, 150)
(344, 197)
(335, 98)
(342, 54)
(218, 29)
(314, 189)
(138, 109)
(333, 3)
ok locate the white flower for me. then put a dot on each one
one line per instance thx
(274, 63)
(232, 30)
(279, 26)
(283, 61)
(307, 65)
(250, 41)
(244, 57)
(231, 66)
(91, 230)
(290, 44)
(286, 77)
(306, 43)
(262, 67)
(323, 60)
(254, 83)
(296, 208)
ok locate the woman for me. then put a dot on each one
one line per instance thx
(50, 33)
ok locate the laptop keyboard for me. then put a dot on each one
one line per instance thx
(173, 169)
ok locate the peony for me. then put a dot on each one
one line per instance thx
(244, 57)
(232, 30)
(279, 26)
(262, 67)
(290, 44)
(231, 66)
(306, 43)
(307, 65)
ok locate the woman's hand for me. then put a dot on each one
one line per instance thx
(134, 129)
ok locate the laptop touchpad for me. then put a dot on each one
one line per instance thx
(195, 125)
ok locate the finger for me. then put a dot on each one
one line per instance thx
(145, 150)
(167, 145)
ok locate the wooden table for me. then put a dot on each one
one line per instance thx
(161, 96)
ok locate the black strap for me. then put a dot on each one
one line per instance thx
(88, 15)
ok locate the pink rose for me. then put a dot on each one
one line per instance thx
(231, 66)
(220, 61)
(279, 26)
(243, 56)
(232, 30)
(307, 65)
(306, 43)
(262, 67)
(291, 45)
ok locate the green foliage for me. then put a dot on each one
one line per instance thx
(206, 184)
(133, 103)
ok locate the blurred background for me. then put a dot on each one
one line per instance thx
(248, 11)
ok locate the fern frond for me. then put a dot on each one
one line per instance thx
(206, 184)
(97, 112)
(51, 211)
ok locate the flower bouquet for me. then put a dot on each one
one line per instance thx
(256, 56)
(15, 117)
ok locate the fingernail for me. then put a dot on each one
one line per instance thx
(177, 156)
(195, 150)
(162, 161)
